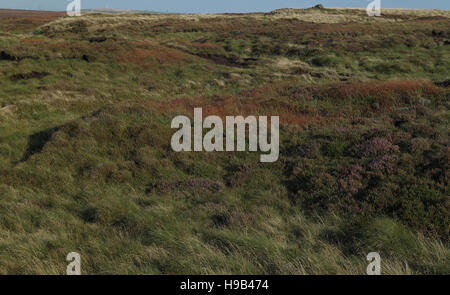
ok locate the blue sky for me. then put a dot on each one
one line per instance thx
(211, 6)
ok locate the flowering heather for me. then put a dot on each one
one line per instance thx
(350, 179)
(86, 164)
(383, 164)
(377, 146)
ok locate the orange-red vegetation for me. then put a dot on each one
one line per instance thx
(285, 101)
(146, 54)
(26, 20)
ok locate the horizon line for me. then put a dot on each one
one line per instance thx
(166, 12)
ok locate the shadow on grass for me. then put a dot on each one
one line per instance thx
(37, 141)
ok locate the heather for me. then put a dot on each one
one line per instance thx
(86, 164)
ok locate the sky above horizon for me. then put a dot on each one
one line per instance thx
(208, 6)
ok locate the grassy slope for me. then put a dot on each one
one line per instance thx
(86, 166)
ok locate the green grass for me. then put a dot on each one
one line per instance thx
(86, 163)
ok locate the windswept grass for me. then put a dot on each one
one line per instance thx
(86, 165)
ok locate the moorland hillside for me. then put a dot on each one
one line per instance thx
(86, 105)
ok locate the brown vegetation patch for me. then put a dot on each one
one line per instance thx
(282, 100)
(432, 18)
(146, 54)
(26, 20)
(230, 61)
(387, 93)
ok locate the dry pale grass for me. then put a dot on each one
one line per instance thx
(7, 110)
(345, 15)
(414, 12)
(96, 21)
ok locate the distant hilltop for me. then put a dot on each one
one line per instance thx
(352, 13)
(296, 10)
